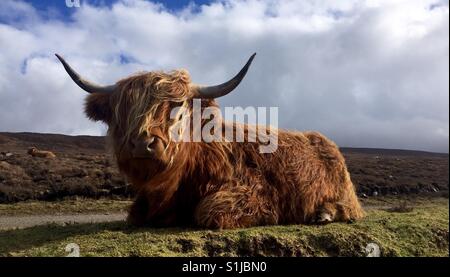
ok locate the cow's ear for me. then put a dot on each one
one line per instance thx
(97, 107)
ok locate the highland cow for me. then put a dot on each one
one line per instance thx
(33, 151)
(214, 184)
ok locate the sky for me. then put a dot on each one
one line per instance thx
(371, 73)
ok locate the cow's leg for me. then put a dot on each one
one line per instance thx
(235, 207)
(137, 214)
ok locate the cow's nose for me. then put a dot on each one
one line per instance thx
(143, 147)
(150, 142)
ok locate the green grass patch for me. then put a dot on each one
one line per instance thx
(424, 231)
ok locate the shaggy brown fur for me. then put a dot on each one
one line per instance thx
(218, 184)
(33, 151)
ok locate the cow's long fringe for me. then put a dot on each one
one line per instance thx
(223, 184)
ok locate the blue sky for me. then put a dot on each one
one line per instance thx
(58, 10)
(366, 73)
(49, 6)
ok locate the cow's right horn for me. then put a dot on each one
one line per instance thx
(85, 84)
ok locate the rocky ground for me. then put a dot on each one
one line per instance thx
(82, 167)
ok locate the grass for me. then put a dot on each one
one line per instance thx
(424, 231)
(69, 206)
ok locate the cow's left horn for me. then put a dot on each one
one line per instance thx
(82, 83)
(222, 89)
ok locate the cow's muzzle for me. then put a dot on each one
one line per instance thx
(145, 147)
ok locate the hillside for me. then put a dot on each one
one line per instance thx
(83, 168)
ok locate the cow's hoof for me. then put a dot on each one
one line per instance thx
(324, 218)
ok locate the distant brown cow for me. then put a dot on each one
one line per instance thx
(214, 184)
(33, 151)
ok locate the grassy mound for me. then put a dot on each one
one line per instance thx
(422, 231)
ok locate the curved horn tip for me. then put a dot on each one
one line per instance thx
(59, 57)
(250, 60)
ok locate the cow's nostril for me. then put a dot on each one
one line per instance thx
(150, 143)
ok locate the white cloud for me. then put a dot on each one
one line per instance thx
(365, 73)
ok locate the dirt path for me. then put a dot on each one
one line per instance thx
(12, 222)
(26, 221)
